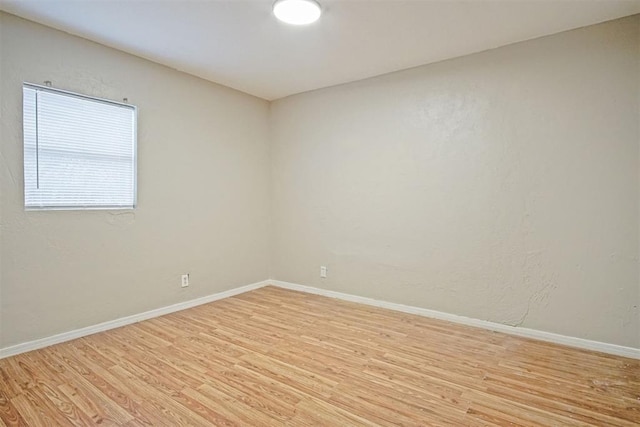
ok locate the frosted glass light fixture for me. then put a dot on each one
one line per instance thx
(297, 12)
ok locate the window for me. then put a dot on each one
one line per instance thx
(79, 152)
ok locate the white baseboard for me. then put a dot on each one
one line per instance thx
(105, 326)
(614, 349)
(498, 327)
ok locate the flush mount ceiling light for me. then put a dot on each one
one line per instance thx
(297, 12)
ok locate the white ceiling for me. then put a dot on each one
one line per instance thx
(239, 43)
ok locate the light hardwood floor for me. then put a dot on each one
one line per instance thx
(276, 357)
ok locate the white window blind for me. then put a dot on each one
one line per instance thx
(79, 152)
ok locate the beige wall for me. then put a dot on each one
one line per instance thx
(202, 193)
(500, 186)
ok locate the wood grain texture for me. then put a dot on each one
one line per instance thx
(274, 357)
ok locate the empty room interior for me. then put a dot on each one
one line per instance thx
(320, 213)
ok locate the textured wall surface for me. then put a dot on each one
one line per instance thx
(202, 193)
(501, 186)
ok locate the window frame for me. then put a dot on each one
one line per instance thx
(79, 207)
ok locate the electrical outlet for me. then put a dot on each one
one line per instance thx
(323, 271)
(185, 280)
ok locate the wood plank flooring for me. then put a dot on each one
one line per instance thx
(273, 357)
